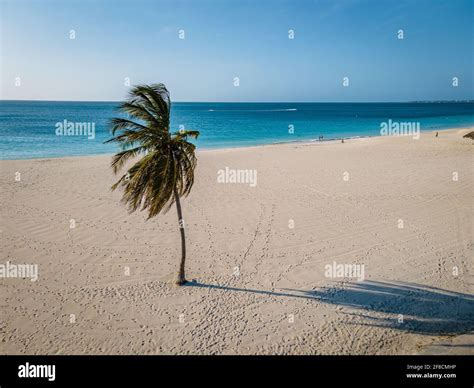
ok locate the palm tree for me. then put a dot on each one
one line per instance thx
(165, 172)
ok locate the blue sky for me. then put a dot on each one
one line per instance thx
(246, 39)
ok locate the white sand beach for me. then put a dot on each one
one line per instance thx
(399, 207)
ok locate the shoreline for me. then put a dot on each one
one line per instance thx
(282, 143)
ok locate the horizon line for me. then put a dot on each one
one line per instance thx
(261, 102)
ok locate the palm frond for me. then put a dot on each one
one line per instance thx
(138, 110)
(120, 124)
(156, 96)
(119, 159)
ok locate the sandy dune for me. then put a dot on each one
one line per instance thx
(260, 286)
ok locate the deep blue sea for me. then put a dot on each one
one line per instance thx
(28, 128)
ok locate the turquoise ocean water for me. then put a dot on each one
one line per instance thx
(28, 128)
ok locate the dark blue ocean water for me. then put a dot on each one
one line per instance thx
(28, 128)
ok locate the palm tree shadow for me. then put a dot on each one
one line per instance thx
(397, 305)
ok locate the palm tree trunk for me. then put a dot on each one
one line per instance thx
(181, 277)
